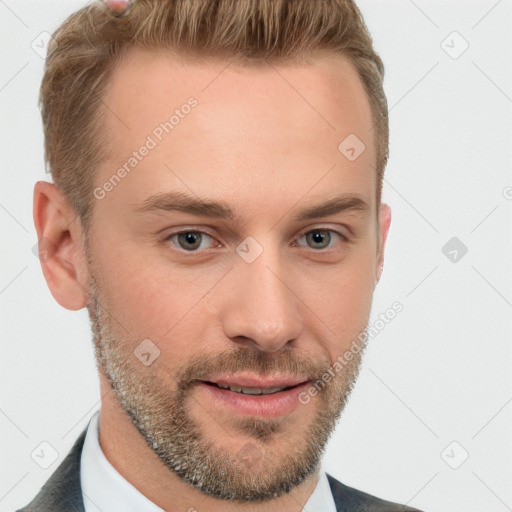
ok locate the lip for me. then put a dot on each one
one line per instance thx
(270, 406)
(247, 380)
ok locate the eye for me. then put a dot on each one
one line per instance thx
(190, 241)
(319, 239)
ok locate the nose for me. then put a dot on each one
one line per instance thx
(262, 310)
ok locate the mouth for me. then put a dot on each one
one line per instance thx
(252, 395)
(251, 391)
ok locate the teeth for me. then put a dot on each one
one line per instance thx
(273, 390)
(250, 391)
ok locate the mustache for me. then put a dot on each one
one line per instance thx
(205, 367)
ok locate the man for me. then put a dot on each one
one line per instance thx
(216, 206)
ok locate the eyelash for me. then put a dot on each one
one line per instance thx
(343, 238)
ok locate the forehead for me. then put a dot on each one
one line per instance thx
(254, 130)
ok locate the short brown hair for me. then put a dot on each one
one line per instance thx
(89, 44)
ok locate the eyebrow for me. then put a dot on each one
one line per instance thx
(338, 204)
(179, 201)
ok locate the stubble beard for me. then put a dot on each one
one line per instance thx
(258, 471)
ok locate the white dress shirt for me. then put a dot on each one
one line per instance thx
(105, 490)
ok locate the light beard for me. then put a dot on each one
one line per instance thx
(256, 472)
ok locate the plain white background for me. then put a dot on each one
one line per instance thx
(430, 420)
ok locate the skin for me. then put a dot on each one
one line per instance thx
(254, 143)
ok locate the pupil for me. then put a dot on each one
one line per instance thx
(189, 240)
(321, 238)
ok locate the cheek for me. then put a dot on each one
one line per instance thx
(151, 298)
(340, 296)
(349, 310)
(344, 306)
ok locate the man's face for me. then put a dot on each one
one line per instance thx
(264, 292)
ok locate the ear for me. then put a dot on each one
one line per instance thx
(384, 223)
(61, 251)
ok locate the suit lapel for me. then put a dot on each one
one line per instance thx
(62, 492)
(348, 499)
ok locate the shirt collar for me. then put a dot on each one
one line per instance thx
(104, 489)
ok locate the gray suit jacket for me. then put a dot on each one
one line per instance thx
(63, 493)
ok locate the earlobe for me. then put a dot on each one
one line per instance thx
(384, 223)
(61, 252)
